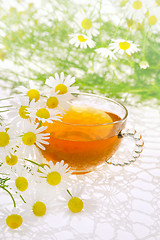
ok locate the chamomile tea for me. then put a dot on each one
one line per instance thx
(85, 138)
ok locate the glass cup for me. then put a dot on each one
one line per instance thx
(84, 146)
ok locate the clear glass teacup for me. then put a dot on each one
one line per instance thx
(89, 134)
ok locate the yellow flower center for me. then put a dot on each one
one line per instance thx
(75, 205)
(137, 5)
(29, 138)
(4, 139)
(14, 221)
(124, 45)
(23, 113)
(11, 160)
(86, 24)
(81, 38)
(52, 102)
(43, 113)
(158, 2)
(61, 88)
(39, 209)
(53, 178)
(152, 20)
(123, 3)
(33, 94)
(21, 183)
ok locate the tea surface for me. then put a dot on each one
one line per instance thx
(80, 141)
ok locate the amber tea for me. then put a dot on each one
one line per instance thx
(86, 137)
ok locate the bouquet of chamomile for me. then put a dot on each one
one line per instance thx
(36, 186)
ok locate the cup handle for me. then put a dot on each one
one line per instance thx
(137, 137)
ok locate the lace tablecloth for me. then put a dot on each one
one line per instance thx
(127, 198)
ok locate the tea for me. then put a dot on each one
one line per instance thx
(85, 138)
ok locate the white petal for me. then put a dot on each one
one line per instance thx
(57, 77)
(40, 146)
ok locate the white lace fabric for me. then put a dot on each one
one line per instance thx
(128, 198)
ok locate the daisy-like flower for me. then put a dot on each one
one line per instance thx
(38, 202)
(18, 113)
(39, 111)
(136, 9)
(81, 40)
(32, 92)
(11, 160)
(7, 141)
(123, 46)
(62, 85)
(32, 137)
(74, 201)
(57, 101)
(154, 20)
(20, 179)
(157, 2)
(105, 52)
(14, 222)
(55, 175)
(87, 23)
(143, 64)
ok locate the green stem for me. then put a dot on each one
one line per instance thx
(10, 195)
(4, 111)
(40, 123)
(100, 20)
(2, 99)
(32, 162)
(137, 90)
(6, 106)
(117, 28)
(22, 199)
(144, 42)
(69, 193)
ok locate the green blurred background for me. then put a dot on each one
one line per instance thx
(34, 44)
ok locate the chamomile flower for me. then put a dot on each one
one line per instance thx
(74, 201)
(135, 10)
(7, 141)
(32, 137)
(87, 23)
(157, 3)
(11, 159)
(38, 202)
(78, 39)
(57, 101)
(154, 20)
(20, 179)
(18, 113)
(55, 175)
(105, 52)
(39, 111)
(62, 85)
(144, 64)
(14, 222)
(32, 92)
(123, 46)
